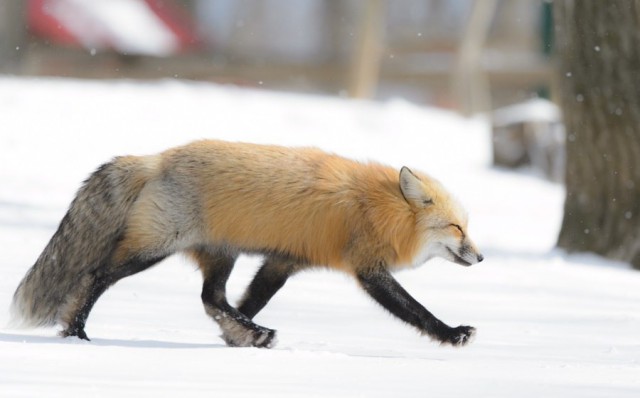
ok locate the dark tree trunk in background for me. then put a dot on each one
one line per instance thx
(598, 44)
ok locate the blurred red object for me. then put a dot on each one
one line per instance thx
(143, 27)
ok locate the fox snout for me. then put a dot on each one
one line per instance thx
(465, 255)
(478, 259)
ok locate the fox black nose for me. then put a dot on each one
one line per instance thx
(480, 258)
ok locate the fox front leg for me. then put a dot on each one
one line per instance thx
(379, 284)
(270, 278)
(237, 329)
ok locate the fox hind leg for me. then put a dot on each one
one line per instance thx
(76, 318)
(95, 284)
(237, 328)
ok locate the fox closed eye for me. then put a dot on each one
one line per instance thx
(456, 226)
(459, 228)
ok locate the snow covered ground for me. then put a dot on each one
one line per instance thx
(548, 324)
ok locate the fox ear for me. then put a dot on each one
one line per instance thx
(412, 189)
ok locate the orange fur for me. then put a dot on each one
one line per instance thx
(304, 202)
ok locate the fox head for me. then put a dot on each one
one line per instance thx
(440, 220)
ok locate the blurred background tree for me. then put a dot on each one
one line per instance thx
(13, 35)
(599, 81)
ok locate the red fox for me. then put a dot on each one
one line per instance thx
(299, 207)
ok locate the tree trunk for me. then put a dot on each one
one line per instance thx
(365, 68)
(470, 82)
(12, 35)
(599, 80)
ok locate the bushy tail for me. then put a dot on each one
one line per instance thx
(82, 245)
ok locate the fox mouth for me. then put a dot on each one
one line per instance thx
(457, 259)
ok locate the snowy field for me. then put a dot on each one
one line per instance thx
(549, 325)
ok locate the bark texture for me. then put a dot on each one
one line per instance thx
(598, 45)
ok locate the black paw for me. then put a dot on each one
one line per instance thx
(75, 331)
(265, 339)
(459, 336)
